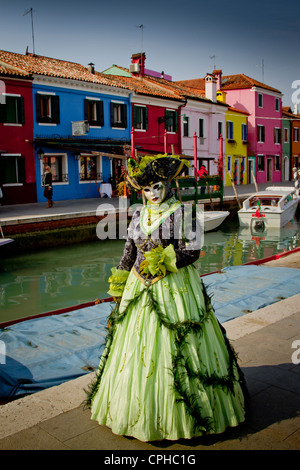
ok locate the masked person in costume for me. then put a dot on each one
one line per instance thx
(167, 370)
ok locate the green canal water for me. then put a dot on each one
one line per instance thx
(55, 278)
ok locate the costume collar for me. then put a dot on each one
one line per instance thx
(153, 215)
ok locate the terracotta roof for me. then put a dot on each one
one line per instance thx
(7, 69)
(154, 86)
(229, 82)
(40, 65)
(232, 82)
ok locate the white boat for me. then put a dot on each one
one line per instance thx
(273, 207)
(213, 219)
(4, 241)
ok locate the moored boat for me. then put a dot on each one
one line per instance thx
(273, 207)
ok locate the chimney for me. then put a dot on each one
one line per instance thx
(137, 66)
(91, 67)
(211, 87)
(295, 111)
(218, 75)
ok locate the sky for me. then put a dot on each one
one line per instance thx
(184, 38)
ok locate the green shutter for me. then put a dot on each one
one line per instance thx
(21, 169)
(21, 111)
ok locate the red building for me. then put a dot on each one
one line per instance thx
(17, 168)
(155, 104)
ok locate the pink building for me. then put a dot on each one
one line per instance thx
(264, 105)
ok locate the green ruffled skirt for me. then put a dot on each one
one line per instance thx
(167, 371)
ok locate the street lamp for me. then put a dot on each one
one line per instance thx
(40, 154)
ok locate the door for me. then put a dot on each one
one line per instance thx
(250, 170)
(269, 169)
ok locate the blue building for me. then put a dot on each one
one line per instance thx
(80, 131)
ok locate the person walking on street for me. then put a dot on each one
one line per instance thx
(48, 191)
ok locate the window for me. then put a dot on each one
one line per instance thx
(228, 163)
(186, 126)
(277, 163)
(47, 108)
(286, 135)
(170, 120)
(93, 112)
(260, 100)
(229, 130)
(201, 127)
(12, 110)
(220, 129)
(260, 134)
(12, 169)
(118, 114)
(261, 162)
(276, 104)
(89, 168)
(277, 135)
(244, 132)
(58, 165)
(140, 117)
(296, 134)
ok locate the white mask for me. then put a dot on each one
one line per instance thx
(155, 193)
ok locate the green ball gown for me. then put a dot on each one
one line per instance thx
(167, 370)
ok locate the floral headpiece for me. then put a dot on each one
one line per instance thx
(153, 168)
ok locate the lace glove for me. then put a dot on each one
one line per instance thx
(159, 260)
(117, 283)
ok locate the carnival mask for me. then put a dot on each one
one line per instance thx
(155, 193)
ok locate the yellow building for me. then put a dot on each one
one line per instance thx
(236, 127)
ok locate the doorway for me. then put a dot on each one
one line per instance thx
(269, 169)
(250, 171)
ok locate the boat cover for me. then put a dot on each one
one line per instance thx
(47, 351)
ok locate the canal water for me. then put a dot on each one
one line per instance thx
(60, 277)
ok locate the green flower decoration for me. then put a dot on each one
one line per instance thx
(159, 260)
(117, 282)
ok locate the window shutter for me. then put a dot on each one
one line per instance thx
(100, 114)
(146, 117)
(124, 115)
(111, 114)
(86, 115)
(21, 111)
(55, 103)
(134, 120)
(38, 107)
(21, 170)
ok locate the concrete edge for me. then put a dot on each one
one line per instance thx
(46, 404)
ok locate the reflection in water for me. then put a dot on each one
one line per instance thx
(56, 278)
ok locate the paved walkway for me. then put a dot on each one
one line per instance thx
(268, 345)
(85, 207)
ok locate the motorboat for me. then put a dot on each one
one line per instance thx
(4, 241)
(213, 219)
(273, 207)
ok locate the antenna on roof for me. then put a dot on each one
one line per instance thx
(213, 57)
(262, 70)
(31, 11)
(141, 26)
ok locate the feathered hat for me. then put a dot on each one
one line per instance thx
(153, 168)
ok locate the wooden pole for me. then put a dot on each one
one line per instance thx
(254, 179)
(235, 192)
